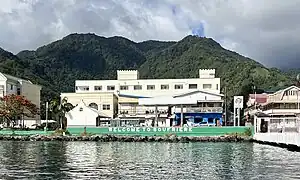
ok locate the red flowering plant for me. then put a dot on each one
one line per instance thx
(13, 106)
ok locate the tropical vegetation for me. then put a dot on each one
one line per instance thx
(58, 109)
(16, 107)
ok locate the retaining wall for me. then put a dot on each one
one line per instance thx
(151, 131)
(24, 132)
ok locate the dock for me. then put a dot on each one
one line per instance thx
(281, 132)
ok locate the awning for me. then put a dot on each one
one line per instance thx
(167, 100)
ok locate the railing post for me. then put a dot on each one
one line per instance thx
(283, 127)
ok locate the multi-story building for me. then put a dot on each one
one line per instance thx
(129, 83)
(276, 112)
(14, 85)
(106, 102)
(285, 102)
(128, 89)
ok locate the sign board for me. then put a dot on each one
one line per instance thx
(238, 102)
(150, 129)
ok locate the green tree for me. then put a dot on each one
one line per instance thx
(58, 109)
(13, 107)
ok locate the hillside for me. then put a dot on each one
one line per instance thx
(88, 56)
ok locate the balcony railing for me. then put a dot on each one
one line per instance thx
(132, 111)
(205, 109)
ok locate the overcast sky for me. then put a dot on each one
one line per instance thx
(265, 30)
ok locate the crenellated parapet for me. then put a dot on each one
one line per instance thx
(127, 74)
(207, 73)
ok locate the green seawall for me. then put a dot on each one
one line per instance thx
(142, 131)
(154, 131)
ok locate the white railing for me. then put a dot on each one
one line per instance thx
(284, 138)
(278, 130)
(205, 109)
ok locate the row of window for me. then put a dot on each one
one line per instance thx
(150, 87)
(291, 93)
(104, 106)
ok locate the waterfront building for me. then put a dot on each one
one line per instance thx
(128, 91)
(15, 85)
(282, 103)
(104, 102)
(277, 112)
(84, 115)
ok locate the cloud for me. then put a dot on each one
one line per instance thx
(263, 30)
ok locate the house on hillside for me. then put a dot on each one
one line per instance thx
(14, 85)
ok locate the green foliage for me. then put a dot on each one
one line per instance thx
(13, 107)
(58, 109)
(59, 132)
(56, 66)
(247, 133)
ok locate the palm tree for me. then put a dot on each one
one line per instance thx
(59, 109)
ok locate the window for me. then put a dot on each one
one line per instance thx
(217, 86)
(206, 86)
(123, 87)
(110, 88)
(106, 107)
(178, 86)
(137, 87)
(11, 87)
(76, 87)
(18, 91)
(164, 86)
(93, 105)
(150, 87)
(97, 88)
(193, 86)
(86, 88)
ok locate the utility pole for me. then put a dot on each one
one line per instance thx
(225, 116)
(46, 116)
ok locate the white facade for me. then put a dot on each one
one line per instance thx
(14, 85)
(128, 82)
(285, 102)
(83, 115)
(130, 91)
(106, 102)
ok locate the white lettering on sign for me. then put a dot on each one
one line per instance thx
(154, 129)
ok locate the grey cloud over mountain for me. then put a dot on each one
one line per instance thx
(267, 31)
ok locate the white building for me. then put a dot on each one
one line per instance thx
(83, 115)
(285, 102)
(106, 102)
(129, 83)
(14, 85)
(128, 89)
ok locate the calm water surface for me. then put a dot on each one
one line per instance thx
(97, 160)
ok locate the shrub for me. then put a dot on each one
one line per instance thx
(248, 132)
(59, 132)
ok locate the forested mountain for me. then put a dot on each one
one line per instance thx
(87, 56)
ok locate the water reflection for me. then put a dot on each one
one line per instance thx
(98, 160)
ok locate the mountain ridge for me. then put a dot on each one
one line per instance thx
(57, 65)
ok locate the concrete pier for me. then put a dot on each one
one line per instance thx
(291, 141)
(280, 132)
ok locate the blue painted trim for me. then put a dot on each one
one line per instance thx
(131, 96)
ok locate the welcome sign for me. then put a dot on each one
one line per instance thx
(150, 129)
